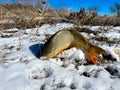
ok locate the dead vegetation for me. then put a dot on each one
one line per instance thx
(29, 16)
(84, 18)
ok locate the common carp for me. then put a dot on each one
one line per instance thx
(67, 38)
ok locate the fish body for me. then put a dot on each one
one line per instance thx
(68, 38)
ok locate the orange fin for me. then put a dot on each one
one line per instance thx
(93, 51)
(93, 59)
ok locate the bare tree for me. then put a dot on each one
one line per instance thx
(82, 11)
(93, 10)
(116, 9)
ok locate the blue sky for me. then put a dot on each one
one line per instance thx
(76, 4)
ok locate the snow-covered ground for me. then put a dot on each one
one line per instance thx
(2, 21)
(22, 69)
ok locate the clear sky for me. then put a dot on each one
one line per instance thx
(76, 4)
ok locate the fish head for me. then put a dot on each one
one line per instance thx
(93, 53)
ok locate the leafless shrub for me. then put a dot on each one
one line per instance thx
(93, 9)
(30, 15)
(27, 16)
(64, 12)
(116, 9)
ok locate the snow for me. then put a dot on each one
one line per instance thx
(21, 67)
(6, 21)
(95, 28)
(112, 53)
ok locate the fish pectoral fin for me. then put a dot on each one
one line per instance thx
(93, 59)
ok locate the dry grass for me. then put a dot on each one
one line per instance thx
(93, 19)
(27, 16)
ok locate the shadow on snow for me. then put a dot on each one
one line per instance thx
(36, 49)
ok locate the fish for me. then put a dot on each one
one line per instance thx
(68, 38)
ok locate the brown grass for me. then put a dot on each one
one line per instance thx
(28, 16)
(93, 19)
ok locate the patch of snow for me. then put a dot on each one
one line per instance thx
(116, 28)
(113, 34)
(6, 21)
(109, 51)
(22, 69)
(95, 28)
(115, 85)
(78, 55)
